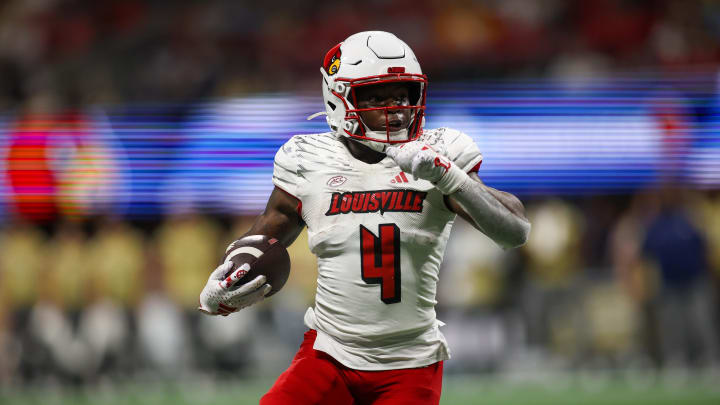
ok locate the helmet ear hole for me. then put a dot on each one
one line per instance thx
(349, 126)
(342, 89)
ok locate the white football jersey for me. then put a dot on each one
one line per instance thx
(379, 237)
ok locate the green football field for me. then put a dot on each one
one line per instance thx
(456, 391)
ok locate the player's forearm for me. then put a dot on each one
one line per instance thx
(497, 214)
(281, 220)
(512, 203)
(276, 225)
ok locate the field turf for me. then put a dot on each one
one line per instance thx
(457, 390)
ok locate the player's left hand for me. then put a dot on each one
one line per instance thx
(425, 163)
(420, 160)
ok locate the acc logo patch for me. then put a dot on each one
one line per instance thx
(336, 181)
(331, 63)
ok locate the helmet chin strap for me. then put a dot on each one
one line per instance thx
(401, 135)
(379, 146)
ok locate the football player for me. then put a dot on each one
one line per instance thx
(378, 194)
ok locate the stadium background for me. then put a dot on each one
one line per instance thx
(136, 141)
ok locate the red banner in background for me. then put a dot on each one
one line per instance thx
(56, 165)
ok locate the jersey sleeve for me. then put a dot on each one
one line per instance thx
(285, 168)
(462, 150)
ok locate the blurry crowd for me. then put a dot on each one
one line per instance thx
(82, 300)
(615, 282)
(57, 54)
(605, 283)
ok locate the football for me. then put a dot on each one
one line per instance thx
(265, 255)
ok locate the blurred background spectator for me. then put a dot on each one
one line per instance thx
(677, 249)
(61, 54)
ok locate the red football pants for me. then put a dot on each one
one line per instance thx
(315, 378)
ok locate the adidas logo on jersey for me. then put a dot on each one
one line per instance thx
(376, 200)
(400, 178)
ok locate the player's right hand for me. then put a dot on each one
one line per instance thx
(218, 297)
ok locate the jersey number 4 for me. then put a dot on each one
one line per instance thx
(380, 260)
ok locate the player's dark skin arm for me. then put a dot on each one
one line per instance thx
(280, 218)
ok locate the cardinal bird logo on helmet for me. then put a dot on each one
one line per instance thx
(331, 64)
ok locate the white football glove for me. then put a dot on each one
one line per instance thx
(423, 162)
(217, 298)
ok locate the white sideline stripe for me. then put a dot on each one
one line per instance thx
(245, 249)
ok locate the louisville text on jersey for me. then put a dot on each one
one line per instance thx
(376, 200)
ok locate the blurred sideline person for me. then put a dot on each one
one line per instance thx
(684, 310)
(185, 243)
(379, 195)
(554, 269)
